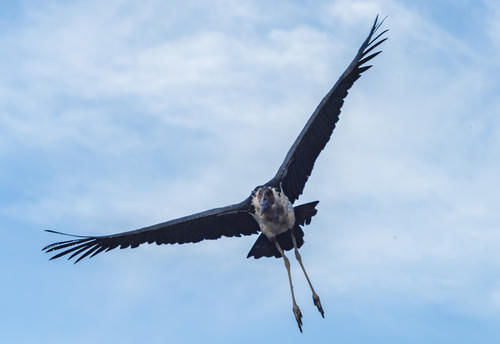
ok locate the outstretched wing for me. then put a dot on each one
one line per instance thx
(298, 164)
(233, 220)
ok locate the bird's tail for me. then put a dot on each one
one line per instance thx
(305, 212)
(263, 247)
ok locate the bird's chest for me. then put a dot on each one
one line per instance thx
(278, 219)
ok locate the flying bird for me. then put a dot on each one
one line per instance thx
(268, 210)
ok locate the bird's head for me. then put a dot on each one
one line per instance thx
(266, 199)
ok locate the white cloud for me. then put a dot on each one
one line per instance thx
(354, 12)
(407, 185)
(493, 23)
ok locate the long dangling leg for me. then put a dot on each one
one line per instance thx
(296, 309)
(299, 259)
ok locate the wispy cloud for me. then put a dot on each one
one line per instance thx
(122, 115)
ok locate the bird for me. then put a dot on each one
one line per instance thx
(269, 209)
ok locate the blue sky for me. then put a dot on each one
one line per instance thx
(117, 115)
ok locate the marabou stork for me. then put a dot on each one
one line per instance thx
(269, 209)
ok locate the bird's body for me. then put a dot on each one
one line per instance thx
(269, 209)
(278, 218)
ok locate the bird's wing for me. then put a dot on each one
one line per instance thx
(299, 161)
(233, 220)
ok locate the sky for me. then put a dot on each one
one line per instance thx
(120, 114)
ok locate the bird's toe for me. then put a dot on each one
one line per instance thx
(298, 316)
(318, 304)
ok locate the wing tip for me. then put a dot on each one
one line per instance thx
(375, 27)
(370, 44)
(377, 24)
(66, 234)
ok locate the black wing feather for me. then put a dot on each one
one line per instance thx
(233, 220)
(299, 161)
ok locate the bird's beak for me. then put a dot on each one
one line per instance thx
(264, 204)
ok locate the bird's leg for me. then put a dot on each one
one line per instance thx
(296, 309)
(299, 259)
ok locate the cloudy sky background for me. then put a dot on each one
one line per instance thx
(117, 115)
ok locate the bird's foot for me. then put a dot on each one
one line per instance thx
(298, 316)
(318, 304)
